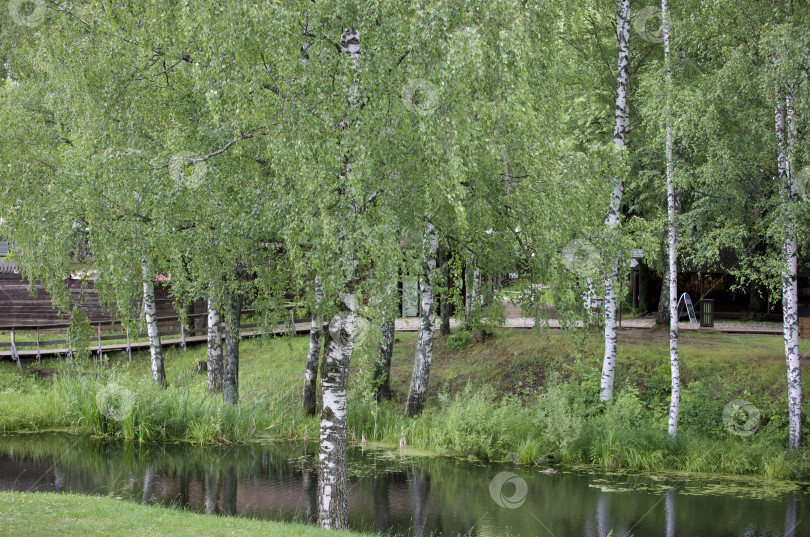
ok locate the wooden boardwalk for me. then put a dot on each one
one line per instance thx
(409, 324)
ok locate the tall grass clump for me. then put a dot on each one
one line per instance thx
(181, 412)
(559, 423)
(475, 423)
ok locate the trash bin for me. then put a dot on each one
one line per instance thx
(706, 313)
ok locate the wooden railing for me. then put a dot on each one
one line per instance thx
(168, 326)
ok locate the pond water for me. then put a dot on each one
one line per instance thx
(392, 492)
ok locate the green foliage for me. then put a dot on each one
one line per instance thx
(560, 423)
(530, 451)
(459, 340)
(475, 425)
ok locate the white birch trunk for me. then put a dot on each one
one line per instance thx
(214, 367)
(150, 311)
(333, 493)
(313, 355)
(672, 242)
(427, 322)
(333, 503)
(790, 313)
(612, 220)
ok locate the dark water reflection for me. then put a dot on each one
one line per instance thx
(409, 496)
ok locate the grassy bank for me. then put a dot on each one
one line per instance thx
(73, 515)
(522, 396)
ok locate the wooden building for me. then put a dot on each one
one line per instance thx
(19, 308)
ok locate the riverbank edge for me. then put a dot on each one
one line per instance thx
(776, 486)
(38, 513)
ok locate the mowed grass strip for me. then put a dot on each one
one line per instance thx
(30, 514)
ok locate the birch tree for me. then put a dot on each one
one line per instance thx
(150, 311)
(417, 393)
(621, 125)
(736, 144)
(789, 289)
(785, 127)
(333, 501)
(215, 363)
(672, 237)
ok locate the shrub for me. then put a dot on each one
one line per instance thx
(559, 422)
(702, 404)
(459, 340)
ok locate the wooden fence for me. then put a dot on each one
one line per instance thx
(193, 332)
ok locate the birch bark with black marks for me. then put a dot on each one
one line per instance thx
(214, 366)
(150, 312)
(309, 397)
(333, 502)
(622, 121)
(672, 242)
(230, 380)
(785, 137)
(427, 322)
(382, 367)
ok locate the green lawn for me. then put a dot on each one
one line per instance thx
(28, 514)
